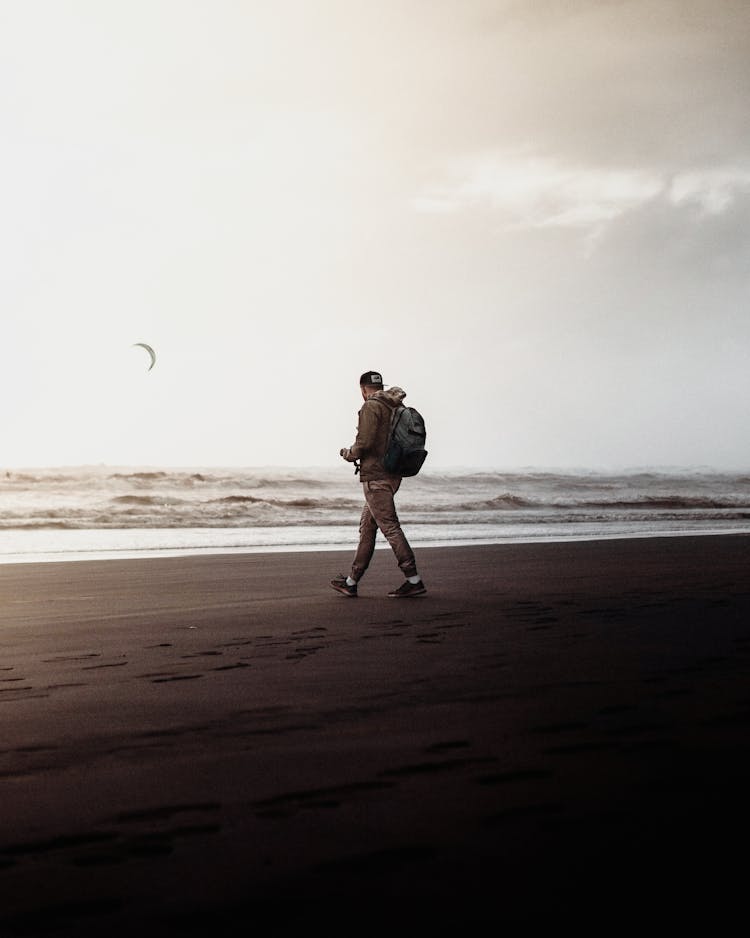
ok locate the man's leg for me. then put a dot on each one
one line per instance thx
(382, 510)
(368, 530)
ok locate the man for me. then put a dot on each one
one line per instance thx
(379, 487)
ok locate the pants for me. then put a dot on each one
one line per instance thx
(380, 512)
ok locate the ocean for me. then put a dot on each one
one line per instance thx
(110, 512)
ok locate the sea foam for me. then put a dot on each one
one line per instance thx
(71, 512)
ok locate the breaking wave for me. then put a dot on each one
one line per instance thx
(128, 498)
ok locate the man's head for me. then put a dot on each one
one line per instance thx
(370, 382)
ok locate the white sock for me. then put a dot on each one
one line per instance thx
(350, 581)
(414, 579)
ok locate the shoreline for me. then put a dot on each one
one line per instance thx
(145, 553)
(189, 739)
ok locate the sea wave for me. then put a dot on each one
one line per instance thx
(148, 500)
(142, 476)
(672, 502)
(507, 502)
(200, 497)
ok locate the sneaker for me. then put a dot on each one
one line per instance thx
(408, 589)
(339, 583)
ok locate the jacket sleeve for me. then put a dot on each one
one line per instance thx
(367, 430)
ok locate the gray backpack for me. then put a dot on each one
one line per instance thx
(405, 452)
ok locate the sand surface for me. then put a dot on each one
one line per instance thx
(185, 742)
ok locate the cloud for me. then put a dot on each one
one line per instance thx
(534, 192)
(712, 190)
(538, 192)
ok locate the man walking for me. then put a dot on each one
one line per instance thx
(379, 487)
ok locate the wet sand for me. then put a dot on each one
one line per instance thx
(553, 730)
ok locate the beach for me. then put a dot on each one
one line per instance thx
(185, 741)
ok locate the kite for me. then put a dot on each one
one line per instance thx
(150, 351)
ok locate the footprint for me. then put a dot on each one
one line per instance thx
(95, 667)
(554, 728)
(540, 810)
(176, 677)
(289, 803)
(517, 775)
(431, 768)
(380, 861)
(449, 744)
(164, 812)
(53, 844)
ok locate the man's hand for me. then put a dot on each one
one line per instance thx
(346, 454)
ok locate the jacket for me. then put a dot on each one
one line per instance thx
(373, 431)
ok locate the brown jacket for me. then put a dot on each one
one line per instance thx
(373, 430)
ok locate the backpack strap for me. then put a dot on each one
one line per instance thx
(396, 415)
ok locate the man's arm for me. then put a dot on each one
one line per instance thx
(367, 430)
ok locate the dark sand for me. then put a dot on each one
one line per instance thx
(555, 730)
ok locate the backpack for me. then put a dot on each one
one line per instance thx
(405, 451)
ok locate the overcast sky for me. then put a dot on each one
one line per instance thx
(533, 215)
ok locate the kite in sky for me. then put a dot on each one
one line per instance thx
(150, 351)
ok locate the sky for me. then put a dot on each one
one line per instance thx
(532, 215)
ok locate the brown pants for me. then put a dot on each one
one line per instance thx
(380, 512)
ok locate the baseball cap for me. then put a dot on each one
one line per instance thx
(371, 377)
